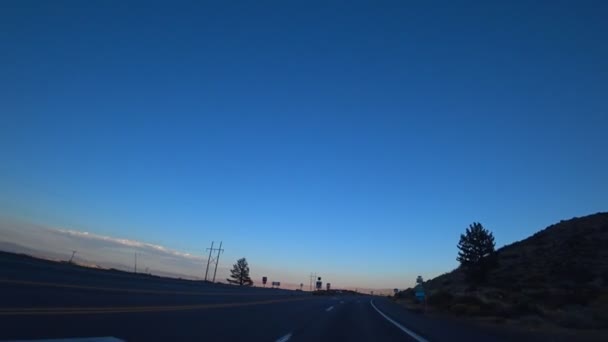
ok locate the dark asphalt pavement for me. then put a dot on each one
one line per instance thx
(227, 316)
(40, 299)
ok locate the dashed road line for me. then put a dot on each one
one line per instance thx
(329, 308)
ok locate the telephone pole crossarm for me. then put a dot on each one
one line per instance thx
(212, 260)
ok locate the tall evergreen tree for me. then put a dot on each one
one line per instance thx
(240, 273)
(476, 252)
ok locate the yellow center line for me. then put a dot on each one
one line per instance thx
(113, 289)
(135, 309)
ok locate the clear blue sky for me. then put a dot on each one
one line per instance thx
(351, 138)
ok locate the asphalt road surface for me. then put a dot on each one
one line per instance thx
(43, 300)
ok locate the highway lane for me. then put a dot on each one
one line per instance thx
(237, 315)
(36, 310)
(261, 322)
(40, 300)
(350, 319)
(210, 317)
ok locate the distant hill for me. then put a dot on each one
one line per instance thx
(50, 256)
(559, 274)
(11, 247)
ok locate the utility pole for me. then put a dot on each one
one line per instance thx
(72, 258)
(310, 288)
(209, 260)
(135, 264)
(312, 276)
(217, 260)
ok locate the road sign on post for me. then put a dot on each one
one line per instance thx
(264, 281)
(319, 283)
(420, 294)
(328, 286)
(396, 291)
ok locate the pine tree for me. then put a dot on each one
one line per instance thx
(476, 252)
(240, 273)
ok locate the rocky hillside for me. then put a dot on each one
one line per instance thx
(559, 275)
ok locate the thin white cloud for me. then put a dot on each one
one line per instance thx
(128, 243)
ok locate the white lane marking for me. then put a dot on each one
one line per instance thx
(329, 308)
(284, 338)
(404, 329)
(341, 302)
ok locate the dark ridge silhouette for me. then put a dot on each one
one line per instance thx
(557, 276)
